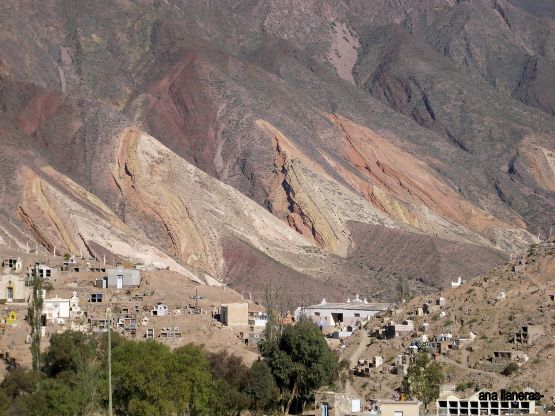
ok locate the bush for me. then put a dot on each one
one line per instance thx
(465, 385)
(510, 369)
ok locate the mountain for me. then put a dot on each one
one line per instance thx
(328, 147)
(494, 308)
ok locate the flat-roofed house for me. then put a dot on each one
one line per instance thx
(234, 314)
(120, 278)
(257, 315)
(327, 314)
(392, 330)
(528, 334)
(44, 271)
(331, 403)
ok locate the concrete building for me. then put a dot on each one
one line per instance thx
(12, 264)
(331, 403)
(56, 308)
(528, 334)
(327, 314)
(258, 319)
(43, 271)
(393, 330)
(257, 316)
(505, 357)
(13, 289)
(159, 310)
(451, 404)
(254, 338)
(120, 278)
(170, 333)
(70, 265)
(399, 408)
(234, 314)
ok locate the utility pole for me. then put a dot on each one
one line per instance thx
(109, 316)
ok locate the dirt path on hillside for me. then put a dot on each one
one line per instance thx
(364, 339)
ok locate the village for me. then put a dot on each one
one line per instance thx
(378, 340)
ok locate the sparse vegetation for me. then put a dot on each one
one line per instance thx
(510, 369)
(465, 385)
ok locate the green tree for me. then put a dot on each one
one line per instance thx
(74, 357)
(301, 362)
(57, 398)
(66, 349)
(140, 376)
(193, 383)
(19, 382)
(274, 312)
(424, 379)
(5, 402)
(260, 387)
(53, 397)
(230, 373)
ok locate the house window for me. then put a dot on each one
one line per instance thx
(96, 297)
(316, 313)
(10, 294)
(398, 413)
(357, 315)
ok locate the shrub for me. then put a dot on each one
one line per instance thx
(510, 369)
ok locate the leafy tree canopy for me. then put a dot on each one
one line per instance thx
(300, 360)
(424, 379)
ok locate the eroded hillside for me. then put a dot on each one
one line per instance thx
(204, 137)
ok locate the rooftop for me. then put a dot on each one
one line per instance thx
(355, 304)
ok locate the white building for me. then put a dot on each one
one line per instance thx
(457, 283)
(13, 289)
(482, 402)
(56, 308)
(327, 314)
(160, 310)
(120, 278)
(258, 319)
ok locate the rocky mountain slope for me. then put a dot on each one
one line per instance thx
(243, 141)
(493, 307)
